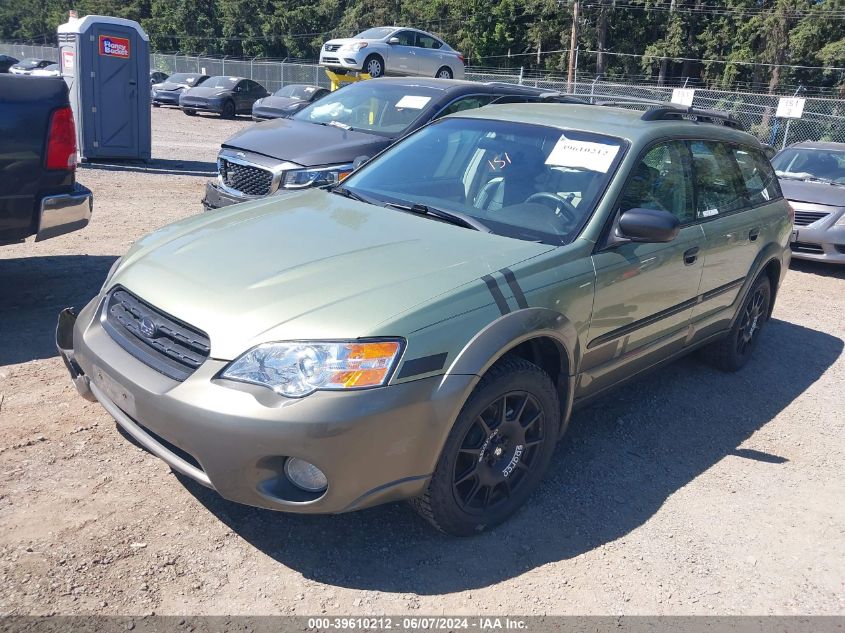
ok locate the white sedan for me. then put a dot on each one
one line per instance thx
(393, 50)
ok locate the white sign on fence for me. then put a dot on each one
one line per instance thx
(790, 107)
(683, 96)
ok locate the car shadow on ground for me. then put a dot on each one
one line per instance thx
(32, 292)
(166, 166)
(837, 271)
(620, 461)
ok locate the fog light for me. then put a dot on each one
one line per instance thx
(305, 475)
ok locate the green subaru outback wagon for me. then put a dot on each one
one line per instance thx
(424, 329)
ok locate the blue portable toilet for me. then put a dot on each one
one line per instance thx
(106, 64)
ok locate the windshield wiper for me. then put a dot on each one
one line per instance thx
(452, 217)
(342, 126)
(348, 193)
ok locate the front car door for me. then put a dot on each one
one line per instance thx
(402, 57)
(645, 293)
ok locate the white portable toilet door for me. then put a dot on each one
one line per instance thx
(115, 90)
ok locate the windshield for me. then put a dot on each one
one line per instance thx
(296, 91)
(376, 33)
(183, 78)
(371, 106)
(29, 63)
(811, 164)
(221, 82)
(524, 181)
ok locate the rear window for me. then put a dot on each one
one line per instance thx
(759, 177)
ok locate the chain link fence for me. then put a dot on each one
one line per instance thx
(823, 118)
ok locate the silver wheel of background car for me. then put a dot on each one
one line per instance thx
(374, 66)
(444, 73)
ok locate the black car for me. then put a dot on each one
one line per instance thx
(321, 143)
(168, 92)
(157, 77)
(227, 96)
(287, 101)
(26, 66)
(6, 62)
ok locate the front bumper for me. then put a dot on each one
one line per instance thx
(266, 114)
(64, 213)
(374, 445)
(166, 97)
(349, 60)
(204, 105)
(820, 242)
(215, 197)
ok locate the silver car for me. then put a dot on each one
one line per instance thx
(812, 176)
(393, 50)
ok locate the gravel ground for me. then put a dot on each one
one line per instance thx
(687, 492)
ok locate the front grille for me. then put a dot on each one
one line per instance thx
(330, 60)
(331, 47)
(248, 179)
(803, 247)
(157, 339)
(803, 218)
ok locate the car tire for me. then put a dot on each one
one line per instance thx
(156, 105)
(444, 73)
(497, 451)
(228, 111)
(733, 351)
(374, 66)
(190, 112)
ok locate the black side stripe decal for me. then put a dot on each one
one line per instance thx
(654, 318)
(498, 297)
(422, 365)
(516, 289)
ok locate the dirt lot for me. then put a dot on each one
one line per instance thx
(687, 492)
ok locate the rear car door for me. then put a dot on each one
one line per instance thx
(645, 293)
(402, 57)
(430, 59)
(734, 185)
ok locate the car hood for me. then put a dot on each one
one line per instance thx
(169, 85)
(313, 265)
(207, 93)
(280, 103)
(307, 144)
(813, 192)
(348, 40)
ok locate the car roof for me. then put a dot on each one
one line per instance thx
(458, 84)
(818, 145)
(609, 120)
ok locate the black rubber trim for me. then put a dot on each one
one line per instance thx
(516, 289)
(422, 365)
(498, 297)
(657, 316)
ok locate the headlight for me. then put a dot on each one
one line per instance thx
(357, 46)
(841, 220)
(315, 176)
(297, 369)
(258, 101)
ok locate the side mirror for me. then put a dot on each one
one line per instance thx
(360, 160)
(648, 225)
(393, 40)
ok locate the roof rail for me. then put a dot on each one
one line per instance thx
(674, 112)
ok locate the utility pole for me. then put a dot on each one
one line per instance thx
(573, 45)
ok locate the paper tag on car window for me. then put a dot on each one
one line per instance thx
(412, 102)
(584, 154)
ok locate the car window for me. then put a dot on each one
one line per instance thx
(521, 180)
(761, 183)
(718, 186)
(372, 106)
(427, 41)
(662, 180)
(406, 38)
(469, 102)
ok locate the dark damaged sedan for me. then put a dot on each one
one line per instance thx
(287, 101)
(168, 91)
(323, 142)
(226, 96)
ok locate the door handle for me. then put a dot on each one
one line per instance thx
(690, 255)
(753, 234)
